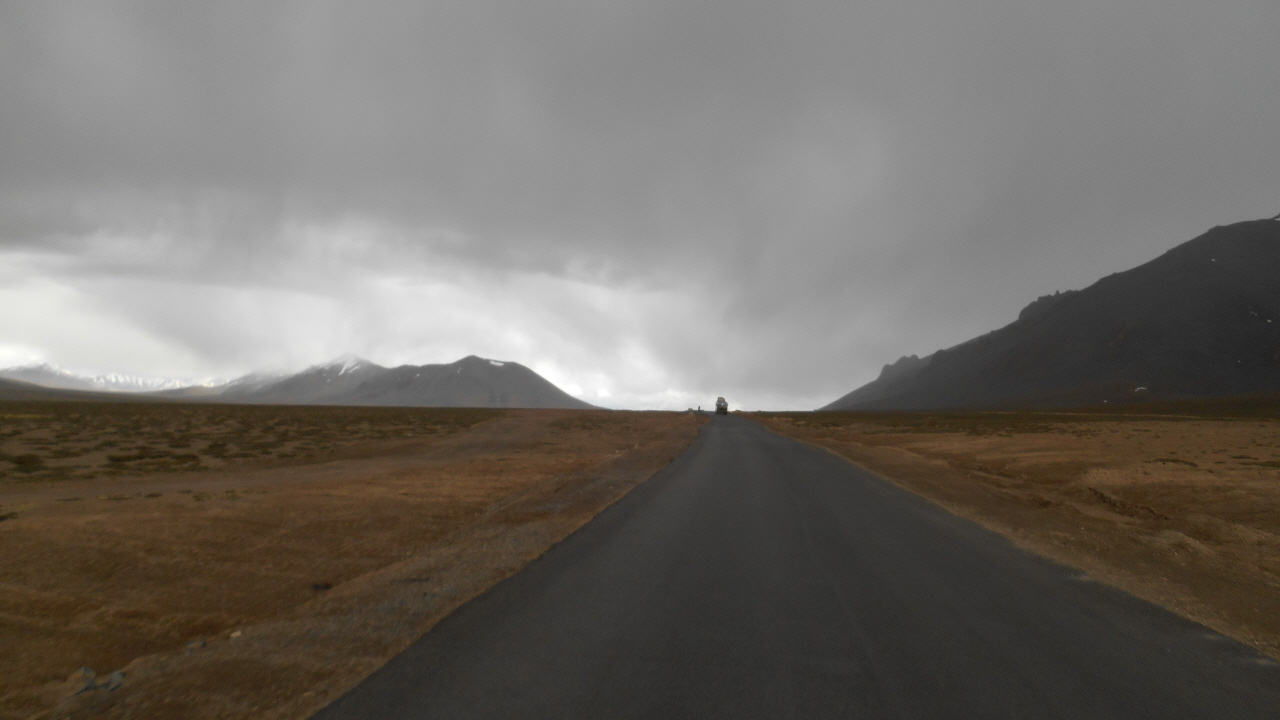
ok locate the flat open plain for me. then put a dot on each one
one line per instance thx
(1180, 507)
(253, 561)
(258, 562)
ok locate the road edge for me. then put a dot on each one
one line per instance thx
(1148, 587)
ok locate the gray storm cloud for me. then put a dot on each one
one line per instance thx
(651, 202)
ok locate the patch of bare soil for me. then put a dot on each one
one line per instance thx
(1183, 511)
(322, 544)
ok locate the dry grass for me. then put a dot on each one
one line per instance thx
(42, 441)
(1182, 509)
(314, 544)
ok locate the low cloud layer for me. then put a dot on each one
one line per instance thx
(650, 203)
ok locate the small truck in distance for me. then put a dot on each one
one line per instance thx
(722, 407)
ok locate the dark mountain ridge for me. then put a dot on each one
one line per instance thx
(1201, 320)
(469, 382)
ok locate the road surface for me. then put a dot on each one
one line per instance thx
(758, 577)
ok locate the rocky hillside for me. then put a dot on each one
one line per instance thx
(1201, 320)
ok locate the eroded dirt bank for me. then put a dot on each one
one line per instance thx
(1182, 511)
(300, 560)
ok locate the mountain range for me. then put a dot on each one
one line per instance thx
(49, 376)
(1201, 320)
(469, 382)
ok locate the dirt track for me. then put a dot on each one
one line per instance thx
(1182, 511)
(265, 587)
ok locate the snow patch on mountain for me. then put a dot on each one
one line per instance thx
(52, 376)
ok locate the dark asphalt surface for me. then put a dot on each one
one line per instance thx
(757, 577)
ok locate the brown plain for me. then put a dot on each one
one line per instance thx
(1181, 510)
(256, 562)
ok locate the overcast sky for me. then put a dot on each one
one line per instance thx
(650, 203)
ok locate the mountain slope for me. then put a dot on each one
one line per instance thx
(23, 391)
(47, 376)
(469, 382)
(51, 376)
(1201, 320)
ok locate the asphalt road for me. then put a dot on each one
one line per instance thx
(758, 577)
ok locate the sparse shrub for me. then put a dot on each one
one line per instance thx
(1175, 461)
(29, 462)
(142, 453)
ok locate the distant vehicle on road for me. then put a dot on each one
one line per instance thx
(722, 407)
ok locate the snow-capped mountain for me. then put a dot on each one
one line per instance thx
(52, 376)
(469, 382)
